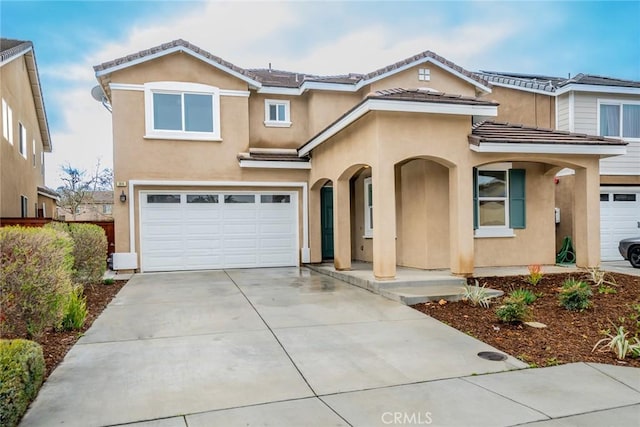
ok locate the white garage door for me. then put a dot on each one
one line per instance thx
(619, 219)
(196, 230)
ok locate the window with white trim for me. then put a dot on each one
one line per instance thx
(7, 122)
(177, 110)
(23, 139)
(619, 119)
(499, 200)
(33, 146)
(368, 208)
(24, 206)
(277, 113)
(424, 74)
(107, 209)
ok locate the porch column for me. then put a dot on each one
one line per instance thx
(586, 216)
(315, 232)
(384, 221)
(461, 243)
(341, 225)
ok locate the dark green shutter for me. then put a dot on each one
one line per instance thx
(517, 203)
(475, 198)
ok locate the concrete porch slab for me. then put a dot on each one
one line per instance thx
(418, 294)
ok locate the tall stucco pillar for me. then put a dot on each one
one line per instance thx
(384, 221)
(341, 225)
(461, 247)
(315, 231)
(586, 216)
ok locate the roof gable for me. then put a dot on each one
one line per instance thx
(11, 49)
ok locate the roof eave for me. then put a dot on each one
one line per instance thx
(578, 87)
(549, 147)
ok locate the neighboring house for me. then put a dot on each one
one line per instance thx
(603, 106)
(227, 167)
(98, 206)
(25, 135)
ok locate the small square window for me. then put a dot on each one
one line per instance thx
(276, 113)
(424, 74)
(604, 197)
(240, 198)
(107, 209)
(163, 198)
(202, 198)
(275, 198)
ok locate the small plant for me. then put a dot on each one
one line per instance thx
(618, 344)
(477, 295)
(525, 295)
(575, 295)
(75, 311)
(636, 315)
(599, 279)
(513, 311)
(604, 289)
(535, 274)
(109, 281)
(552, 361)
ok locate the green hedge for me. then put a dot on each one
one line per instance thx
(21, 375)
(35, 278)
(89, 252)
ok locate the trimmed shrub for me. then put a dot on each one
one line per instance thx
(513, 310)
(21, 375)
(525, 295)
(35, 278)
(90, 252)
(75, 310)
(575, 295)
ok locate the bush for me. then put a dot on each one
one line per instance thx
(476, 295)
(535, 274)
(90, 249)
(525, 295)
(513, 310)
(21, 375)
(35, 278)
(575, 295)
(75, 311)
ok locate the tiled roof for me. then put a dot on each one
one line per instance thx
(589, 79)
(423, 55)
(496, 132)
(528, 81)
(399, 94)
(10, 48)
(171, 45)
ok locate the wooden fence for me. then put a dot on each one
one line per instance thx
(107, 226)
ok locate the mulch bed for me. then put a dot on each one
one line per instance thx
(569, 336)
(56, 344)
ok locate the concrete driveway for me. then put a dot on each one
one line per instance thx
(289, 347)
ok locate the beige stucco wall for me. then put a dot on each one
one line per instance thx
(564, 201)
(264, 136)
(18, 175)
(517, 106)
(324, 107)
(440, 80)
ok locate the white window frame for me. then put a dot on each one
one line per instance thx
(495, 230)
(33, 146)
(286, 120)
(424, 74)
(24, 206)
(22, 130)
(181, 88)
(7, 122)
(368, 209)
(107, 209)
(620, 103)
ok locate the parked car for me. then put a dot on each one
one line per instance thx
(630, 250)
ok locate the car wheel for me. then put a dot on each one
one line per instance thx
(634, 256)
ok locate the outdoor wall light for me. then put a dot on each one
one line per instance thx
(123, 197)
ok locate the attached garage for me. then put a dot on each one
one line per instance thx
(619, 218)
(212, 230)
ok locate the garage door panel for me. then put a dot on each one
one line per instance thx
(619, 216)
(218, 231)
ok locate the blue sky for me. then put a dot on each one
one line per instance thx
(553, 38)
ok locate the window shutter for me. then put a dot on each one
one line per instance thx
(475, 198)
(517, 204)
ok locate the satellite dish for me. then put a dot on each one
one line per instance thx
(98, 94)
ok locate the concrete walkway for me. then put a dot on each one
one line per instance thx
(288, 347)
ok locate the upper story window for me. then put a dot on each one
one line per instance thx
(424, 74)
(7, 122)
(33, 146)
(176, 110)
(23, 140)
(277, 113)
(619, 119)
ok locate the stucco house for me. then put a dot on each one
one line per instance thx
(25, 135)
(593, 105)
(415, 164)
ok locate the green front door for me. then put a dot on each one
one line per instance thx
(326, 221)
